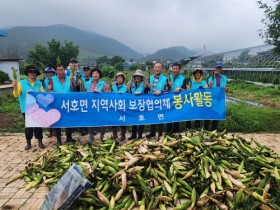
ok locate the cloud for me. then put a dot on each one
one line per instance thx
(148, 25)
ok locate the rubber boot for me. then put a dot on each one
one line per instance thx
(152, 132)
(123, 131)
(58, 142)
(28, 144)
(40, 144)
(50, 134)
(115, 133)
(140, 134)
(133, 133)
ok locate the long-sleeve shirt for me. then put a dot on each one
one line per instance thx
(18, 92)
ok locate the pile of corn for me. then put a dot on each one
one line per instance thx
(194, 170)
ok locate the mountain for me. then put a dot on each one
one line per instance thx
(92, 45)
(171, 54)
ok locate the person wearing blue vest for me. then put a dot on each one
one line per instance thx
(61, 84)
(216, 80)
(195, 83)
(119, 86)
(97, 86)
(137, 87)
(87, 79)
(49, 73)
(74, 64)
(177, 82)
(22, 88)
(85, 85)
(158, 85)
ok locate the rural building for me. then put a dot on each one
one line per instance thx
(7, 63)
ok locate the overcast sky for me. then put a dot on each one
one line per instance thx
(148, 25)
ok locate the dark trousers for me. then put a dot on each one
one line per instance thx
(197, 123)
(68, 132)
(214, 125)
(172, 127)
(137, 128)
(38, 132)
(188, 124)
(154, 128)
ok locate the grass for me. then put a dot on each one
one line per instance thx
(255, 93)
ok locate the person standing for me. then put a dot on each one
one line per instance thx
(87, 79)
(195, 83)
(60, 83)
(216, 80)
(158, 85)
(85, 82)
(49, 73)
(74, 68)
(177, 82)
(21, 88)
(97, 86)
(137, 87)
(119, 87)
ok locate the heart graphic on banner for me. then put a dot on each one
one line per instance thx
(30, 100)
(45, 119)
(45, 100)
(31, 108)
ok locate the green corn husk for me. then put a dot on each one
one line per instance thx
(72, 72)
(14, 74)
(186, 171)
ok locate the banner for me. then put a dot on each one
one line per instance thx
(88, 109)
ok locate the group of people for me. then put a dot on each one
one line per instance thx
(89, 80)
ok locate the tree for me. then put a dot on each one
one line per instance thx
(117, 59)
(119, 66)
(272, 23)
(103, 60)
(43, 56)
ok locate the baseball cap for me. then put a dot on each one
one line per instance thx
(86, 68)
(219, 64)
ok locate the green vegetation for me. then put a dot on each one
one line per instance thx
(271, 21)
(4, 77)
(248, 119)
(43, 56)
(11, 118)
(246, 91)
(256, 76)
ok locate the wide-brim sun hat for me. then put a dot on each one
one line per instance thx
(119, 74)
(139, 72)
(31, 68)
(198, 70)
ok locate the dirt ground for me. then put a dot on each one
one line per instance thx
(270, 140)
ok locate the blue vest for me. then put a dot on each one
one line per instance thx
(139, 88)
(176, 82)
(46, 83)
(194, 85)
(121, 89)
(223, 81)
(99, 86)
(26, 86)
(87, 83)
(59, 87)
(160, 85)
